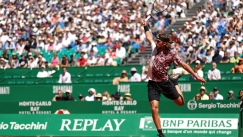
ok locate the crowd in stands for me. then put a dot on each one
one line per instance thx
(215, 95)
(213, 35)
(92, 96)
(76, 32)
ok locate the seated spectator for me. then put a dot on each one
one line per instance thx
(120, 52)
(201, 55)
(40, 61)
(106, 96)
(146, 67)
(192, 56)
(98, 97)
(135, 76)
(23, 62)
(231, 49)
(99, 61)
(58, 97)
(231, 95)
(65, 77)
(122, 78)
(82, 62)
(127, 96)
(64, 62)
(32, 63)
(202, 93)
(81, 97)
(116, 96)
(239, 67)
(72, 62)
(178, 69)
(42, 73)
(91, 60)
(144, 77)
(51, 70)
(209, 56)
(108, 60)
(55, 60)
(217, 96)
(226, 58)
(91, 96)
(211, 96)
(235, 59)
(214, 73)
(197, 97)
(68, 96)
(4, 63)
(217, 57)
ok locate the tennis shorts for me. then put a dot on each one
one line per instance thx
(167, 88)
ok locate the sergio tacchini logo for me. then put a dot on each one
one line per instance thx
(192, 105)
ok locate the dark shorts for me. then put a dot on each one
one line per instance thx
(167, 88)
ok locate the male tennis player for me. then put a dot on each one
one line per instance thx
(161, 58)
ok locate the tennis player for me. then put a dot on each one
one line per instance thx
(161, 58)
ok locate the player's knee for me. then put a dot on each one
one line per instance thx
(154, 109)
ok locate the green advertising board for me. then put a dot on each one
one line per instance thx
(118, 107)
(174, 125)
(138, 90)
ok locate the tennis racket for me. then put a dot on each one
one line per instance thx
(158, 6)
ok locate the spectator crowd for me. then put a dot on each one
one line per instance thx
(76, 32)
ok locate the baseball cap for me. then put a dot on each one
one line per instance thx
(68, 91)
(92, 89)
(133, 69)
(124, 71)
(202, 87)
(231, 92)
(198, 62)
(215, 88)
(43, 67)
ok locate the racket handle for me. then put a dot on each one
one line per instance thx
(148, 18)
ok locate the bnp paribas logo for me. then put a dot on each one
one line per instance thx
(147, 123)
(192, 104)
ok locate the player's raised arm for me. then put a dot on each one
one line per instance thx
(147, 32)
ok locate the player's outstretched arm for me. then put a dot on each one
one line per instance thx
(147, 32)
(189, 70)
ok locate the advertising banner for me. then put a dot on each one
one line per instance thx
(117, 107)
(174, 125)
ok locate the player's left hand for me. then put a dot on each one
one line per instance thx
(200, 80)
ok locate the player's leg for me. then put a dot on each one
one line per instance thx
(154, 97)
(180, 100)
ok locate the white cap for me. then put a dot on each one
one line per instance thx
(198, 62)
(133, 69)
(210, 37)
(92, 89)
(68, 91)
(43, 67)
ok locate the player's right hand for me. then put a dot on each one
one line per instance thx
(200, 80)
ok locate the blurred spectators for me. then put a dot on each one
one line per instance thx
(106, 96)
(239, 67)
(122, 78)
(101, 26)
(65, 77)
(98, 97)
(42, 73)
(197, 97)
(68, 96)
(231, 95)
(58, 97)
(127, 96)
(217, 96)
(81, 97)
(202, 93)
(214, 73)
(144, 76)
(91, 96)
(211, 96)
(135, 77)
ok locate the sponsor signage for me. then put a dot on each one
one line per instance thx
(117, 107)
(176, 125)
